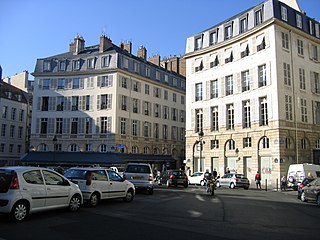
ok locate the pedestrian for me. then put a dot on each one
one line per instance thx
(283, 183)
(214, 173)
(258, 180)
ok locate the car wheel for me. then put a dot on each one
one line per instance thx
(303, 197)
(318, 200)
(168, 183)
(246, 188)
(150, 191)
(129, 196)
(232, 185)
(75, 203)
(94, 200)
(19, 211)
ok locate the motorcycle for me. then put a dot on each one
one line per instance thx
(210, 187)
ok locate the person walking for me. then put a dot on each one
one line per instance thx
(283, 183)
(258, 180)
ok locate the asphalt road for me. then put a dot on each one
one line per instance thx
(178, 213)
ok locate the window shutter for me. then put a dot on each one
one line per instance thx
(238, 84)
(208, 90)
(312, 81)
(38, 125)
(98, 102)
(222, 87)
(98, 125)
(81, 125)
(99, 81)
(81, 83)
(91, 102)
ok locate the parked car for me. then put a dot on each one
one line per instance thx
(297, 172)
(140, 174)
(174, 178)
(98, 183)
(311, 192)
(25, 190)
(197, 178)
(304, 183)
(233, 180)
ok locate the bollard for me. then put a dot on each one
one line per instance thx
(277, 184)
(266, 184)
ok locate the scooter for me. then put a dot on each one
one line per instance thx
(211, 186)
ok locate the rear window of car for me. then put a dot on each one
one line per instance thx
(5, 180)
(138, 169)
(75, 174)
(240, 176)
(178, 173)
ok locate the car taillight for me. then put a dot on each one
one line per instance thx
(172, 176)
(89, 178)
(14, 182)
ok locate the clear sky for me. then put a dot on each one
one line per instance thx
(31, 29)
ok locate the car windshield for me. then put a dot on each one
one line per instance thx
(240, 176)
(138, 169)
(178, 173)
(75, 174)
(5, 180)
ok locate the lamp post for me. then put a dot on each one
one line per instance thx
(201, 142)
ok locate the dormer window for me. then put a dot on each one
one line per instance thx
(299, 20)
(198, 43)
(213, 37)
(228, 32)
(47, 66)
(258, 17)
(62, 65)
(76, 64)
(243, 25)
(91, 63)
(284, 13)
(105, 61)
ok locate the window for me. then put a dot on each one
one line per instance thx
(13, 113)
(148, 72)
(136, 67)
(74, 125)
(21, 115)
(199, 120)
(88, 125)
(198, 92)
(231, 144)
(243, 25)
(314, 52)
(124, 101)
(59, 125)
(261, 41)
(75, 103)
(147, 129)
(214, 89)
(244, 50)
(213, 37)
(245, 81)
(230, 117)
(12, 131)
(174, 97)
(61, 83)
(135, 105)
(198, 43)
(156, 92)
(60, 103)
(214, 144)
(302, 78)
(45, 84)
(135, 128)
(304, 114)
(174, 133)
(228, 56)
(246, 114)
(76, 64)
(285, 40)
(165, 93)
(311, 27)
(106, 101)
(105, 61)
(214, 61)
(147, 89)
(286, 74)
(288, 144)
(165, 112)
(88, 147)
(258, 17)
(165, 131)
(262, 75)
(174, 114)
(91, 63)
(47, 65)
(174, 81)
(76, 83)
(304, 143)
(158, 75)
(182, 115)
(157, 110)
(62, 65)
(43, 125)
(263, 111)
(317, 113)
(147, 108)
(105, 124)
(299, 20)
(247, 142)
(284, 13)
(265, 142)
(228, 32)
(123, 126)
(300, 47)
(135, 86)
(288, 107)
(182, 100)
(229, 85)
(105, 81)
(4, 111)
(315, 82)
(214, 119)
(3, 130)
(198, 65)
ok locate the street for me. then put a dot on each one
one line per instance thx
(180, 213)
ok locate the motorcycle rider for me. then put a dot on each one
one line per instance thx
(208, 177)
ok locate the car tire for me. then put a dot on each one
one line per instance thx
(318, 200)
(94, 199)
(75, 203)
(303, 197)
(19, 211)
(150, 191)
(168, 183)
(246, 188)
(232, 186)
(129, 196)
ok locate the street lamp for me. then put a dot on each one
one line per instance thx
(201, 144)
(200, 135)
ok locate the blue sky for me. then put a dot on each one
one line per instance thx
(31, 29)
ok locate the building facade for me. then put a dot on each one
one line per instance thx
(253, 94)
(103, 98)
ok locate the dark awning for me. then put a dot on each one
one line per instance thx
(90, 158)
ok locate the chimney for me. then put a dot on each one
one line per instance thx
(155, 59)
(126, 46)
(142, 52)
(105, 43)
(0, 72)
(77, 46)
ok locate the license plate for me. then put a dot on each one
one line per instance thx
(137, 178)
(180, 181)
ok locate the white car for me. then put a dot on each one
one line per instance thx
(197, 178)
(25, 190)
(99, 183)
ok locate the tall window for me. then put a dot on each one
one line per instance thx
(302, 78)
(317, 113)
(214, 89)
(288, 107)
(199, 120)
(245, 81)
(74, 126)
(214, 119)
(61, 83)
(258, 17)
(263, 111)
(229, 85)
(230, 117)
(156, 130)
(124, 82)
(285, 40)
(165, 131)
(59, 125)
(123, 126)
(299, 20)
(105, 101)
(198, 92)
(105, 124)
(246, 114)
(198, 43)
(315, 82)
(262, 75)
(228, 32)
(146, 129)
(286, 74)
(213, 38)
(243, 25)
(135, 128)
(147, 89)
(124, 100)
(304, 114)
(284, 13)
(43, 125)
(4, 111)
(265, 142)
(247, 142)
(300, 47)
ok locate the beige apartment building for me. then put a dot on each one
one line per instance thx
(104, 99)
(253, 95)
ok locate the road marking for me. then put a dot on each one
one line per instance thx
(199, 197)
(195, 214)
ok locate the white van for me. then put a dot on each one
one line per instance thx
(297, 172)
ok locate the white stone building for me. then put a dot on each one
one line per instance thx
(253, 91)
